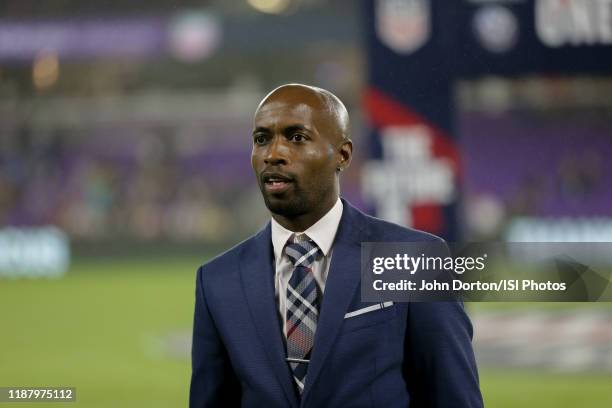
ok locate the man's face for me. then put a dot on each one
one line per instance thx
(294, 156)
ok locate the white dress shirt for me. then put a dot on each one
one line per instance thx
(322, 233)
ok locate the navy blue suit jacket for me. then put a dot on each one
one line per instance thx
(409, 354)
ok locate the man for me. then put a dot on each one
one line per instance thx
(278, 319)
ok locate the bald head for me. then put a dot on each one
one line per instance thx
(329, 107)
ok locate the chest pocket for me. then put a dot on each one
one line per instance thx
(368, 314)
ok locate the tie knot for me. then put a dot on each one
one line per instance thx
(302, 252)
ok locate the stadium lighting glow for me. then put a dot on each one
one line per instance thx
(45, 70)
(270, 6)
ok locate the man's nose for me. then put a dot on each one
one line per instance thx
(276, 153)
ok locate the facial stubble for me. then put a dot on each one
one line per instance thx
(296, 203)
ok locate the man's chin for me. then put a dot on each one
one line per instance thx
(283, 206)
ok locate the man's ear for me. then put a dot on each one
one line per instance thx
(345, 152)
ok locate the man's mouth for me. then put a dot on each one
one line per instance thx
(276, 183)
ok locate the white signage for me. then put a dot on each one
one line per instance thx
(408, 175)
(33, 252)
(574, 22)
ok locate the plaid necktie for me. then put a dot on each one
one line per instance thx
(303, 302)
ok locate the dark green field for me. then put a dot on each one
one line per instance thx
(119, 332)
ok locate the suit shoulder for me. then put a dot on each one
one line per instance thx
(228, 257)
(381, 230)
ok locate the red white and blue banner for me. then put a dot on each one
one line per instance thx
(418, 49)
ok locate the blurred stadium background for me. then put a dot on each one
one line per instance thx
(124, 165)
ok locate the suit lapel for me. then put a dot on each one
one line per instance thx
(257, 275)
(342, 281)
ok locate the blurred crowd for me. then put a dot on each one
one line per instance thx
(145, 191)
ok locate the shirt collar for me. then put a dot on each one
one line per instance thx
(321, 232)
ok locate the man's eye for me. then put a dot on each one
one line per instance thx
(259, 139)
(297, 137)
